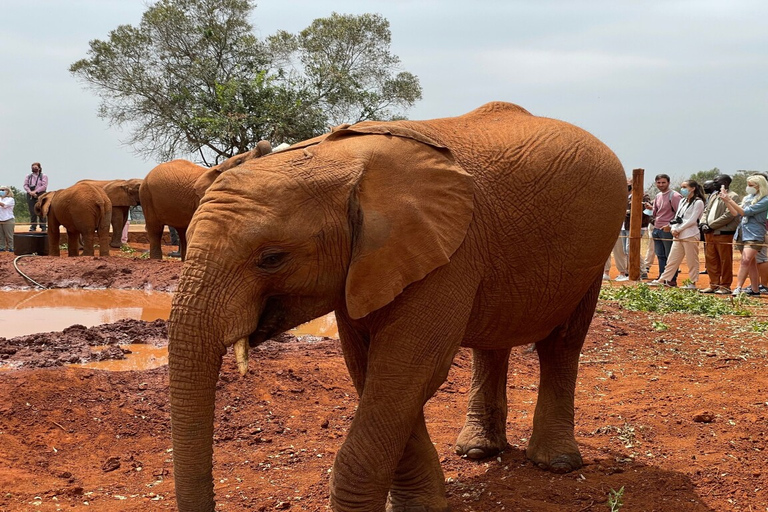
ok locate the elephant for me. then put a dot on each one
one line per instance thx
(422, 237)
(168, 196)
(123, 194)
(82, 209)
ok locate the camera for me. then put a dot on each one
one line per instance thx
(676, 220)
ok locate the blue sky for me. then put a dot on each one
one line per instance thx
(671, 86)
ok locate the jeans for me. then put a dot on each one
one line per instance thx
(662, 243)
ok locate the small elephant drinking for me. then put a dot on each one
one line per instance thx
(422, 236)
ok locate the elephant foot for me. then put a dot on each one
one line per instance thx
(399, 505)
(479, 442)
(555, 461)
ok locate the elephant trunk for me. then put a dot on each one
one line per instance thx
(194, 362)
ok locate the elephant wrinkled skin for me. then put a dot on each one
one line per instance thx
(82, 209)
(422, 236)
(122, 194)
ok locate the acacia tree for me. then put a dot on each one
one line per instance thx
(192, 78)
(344, 66)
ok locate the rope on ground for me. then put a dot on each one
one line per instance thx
(25, 276)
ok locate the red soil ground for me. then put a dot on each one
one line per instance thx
(678, 418)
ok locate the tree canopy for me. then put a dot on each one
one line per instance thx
(193, 78)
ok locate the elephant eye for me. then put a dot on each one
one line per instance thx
(272, 260)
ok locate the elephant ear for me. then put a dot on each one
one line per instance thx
(263, 147)
(411, 210)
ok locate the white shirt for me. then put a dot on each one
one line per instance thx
(6, 212)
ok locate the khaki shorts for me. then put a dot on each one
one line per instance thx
(752, 244)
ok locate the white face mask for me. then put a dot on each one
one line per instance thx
(751, 191)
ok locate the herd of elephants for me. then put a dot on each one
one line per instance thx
(167, 195)
(422, 237)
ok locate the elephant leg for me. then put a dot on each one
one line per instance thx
(88, 242)
(104, 241)
(182, 242)
(418, 484)
(553, 445)
(119, 218)
(54, 236)
(155, 235)
(73, 243)
(404, 367)
(485, 430)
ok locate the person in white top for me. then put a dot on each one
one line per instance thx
(685, 235)
(7, 219)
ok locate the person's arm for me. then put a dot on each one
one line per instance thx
(43, 185)
(26, 185)
(732, 205)
(758, 207)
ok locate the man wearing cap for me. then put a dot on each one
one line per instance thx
(35, 184)
(718, 225)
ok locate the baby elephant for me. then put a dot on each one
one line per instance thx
(82, 209)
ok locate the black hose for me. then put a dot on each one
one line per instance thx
(25, 276)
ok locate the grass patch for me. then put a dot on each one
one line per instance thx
(615, 499)
(675, 300)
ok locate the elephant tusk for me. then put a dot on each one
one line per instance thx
(241, 355)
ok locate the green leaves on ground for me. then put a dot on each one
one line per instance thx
(669, 300)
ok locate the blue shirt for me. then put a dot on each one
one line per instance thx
(752, 224)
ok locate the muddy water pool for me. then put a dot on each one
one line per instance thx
(30, 312)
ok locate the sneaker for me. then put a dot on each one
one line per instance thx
(723, 290)
(762, 288)
(174, 254)
(707, 290)
(736, 291)
(750, 292)
(606, 277)
(672, 283)
(655, 282)
(644, 275)
(690, 287)
(622, 278)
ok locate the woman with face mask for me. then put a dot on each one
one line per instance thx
(7, 220)
(750, 233)
(35, 185)
(685, 236)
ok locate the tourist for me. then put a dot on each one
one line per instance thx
(719, 225)
(684, 229)
(750, 233)
(7, 219)
(664, 207)
(35, 185)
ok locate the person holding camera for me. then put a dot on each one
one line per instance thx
(750, 233)
(664, 207)
(684, 228)
(719, 225)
